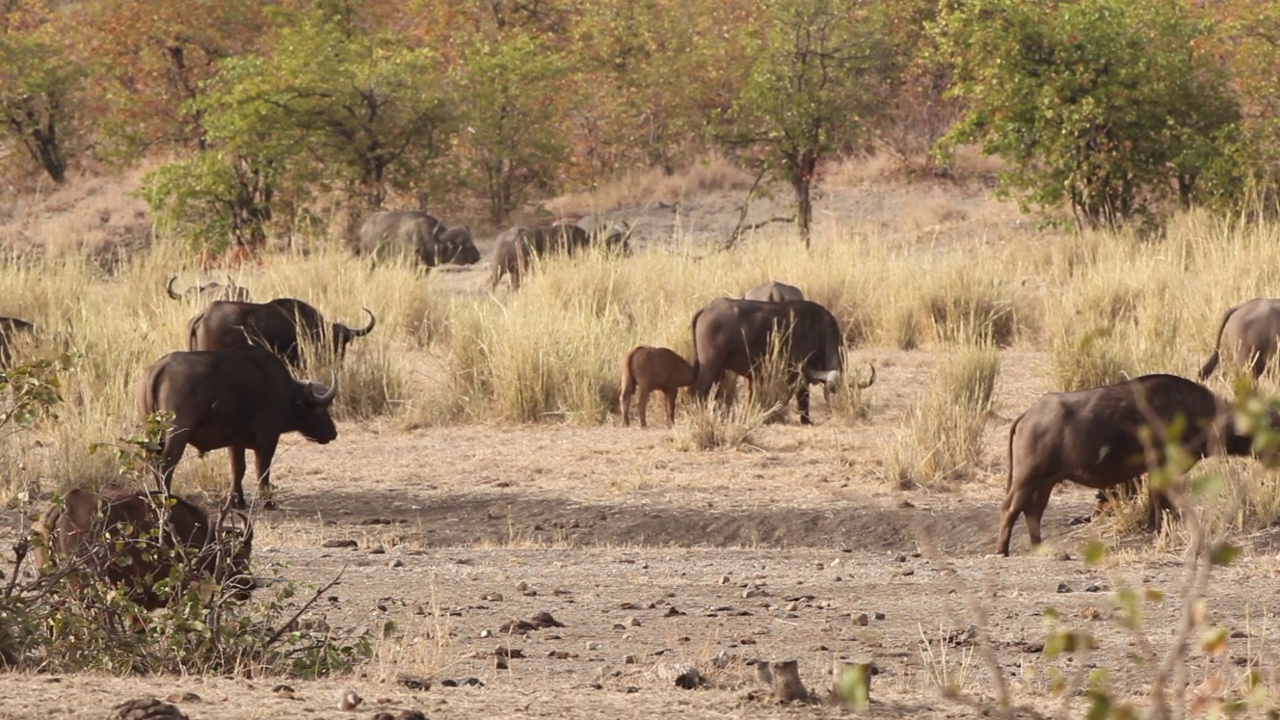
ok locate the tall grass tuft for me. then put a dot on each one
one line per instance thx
(941, 441)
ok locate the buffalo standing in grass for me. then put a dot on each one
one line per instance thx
(10, 327)
(515, 248)
(136, 539)
(645, 369)
(209, 292)
(737, 335)
(1248, 335)
(388, 232)
(242, 399)
(1094, 437)
(773, 291)
(275, 325)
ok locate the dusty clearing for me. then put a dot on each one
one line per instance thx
(795, 546)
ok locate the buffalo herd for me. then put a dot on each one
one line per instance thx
(234, 388)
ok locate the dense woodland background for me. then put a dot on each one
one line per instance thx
(267, 119)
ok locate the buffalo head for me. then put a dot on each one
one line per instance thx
(343, 334)
(311, 410)
(458, 247)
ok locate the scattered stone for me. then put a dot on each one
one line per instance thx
(619, 626)
(471, 681)
(820, 566)
(509, 652)
(1237, 634)
(1094, 587)
(628, 606)
(282, 689)
(374, 521)
(908, 572)
(754, 592)
(414, 683)
(860, 618)
(500, 663)
(793, 606)
(340, 543)
(631, 621)
(839, 579)
(628, 659)
(348, 700)
(522, 586)
(672, 612)
(1062, 556)
(383, 716)
(537, 622)
(593, 645)
(682, 675)
(377, 551)
(1064, 588)
(395, 563)
(877, 615)
(724, 580)
(187, 697)
(411, 715)
(900, 558)
(147, 709)
(963, 637)
(486, 633)
(561, 655)
(492, 597)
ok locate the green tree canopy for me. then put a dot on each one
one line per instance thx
(1104, 105)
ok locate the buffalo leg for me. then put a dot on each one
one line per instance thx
(262, 456)
(1011, 508)
(802, 401)
(174, 446)
(1035, 513)
(624, 403)
(642, 405)
(237, 477)
(671, 405)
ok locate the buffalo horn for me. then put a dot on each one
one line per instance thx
(329, 394)
(169, 288)
(361, 332)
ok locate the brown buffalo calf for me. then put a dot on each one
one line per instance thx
(646, 369)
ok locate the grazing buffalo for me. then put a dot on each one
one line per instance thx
(1248, 334)
(737, 335)
(9, 329)
(136, 539)
(243, 398)
(388, 232)
(209, 292)
(645, 369)
(275, 325)
(773, 291)
(1094, 437)
(515, 248)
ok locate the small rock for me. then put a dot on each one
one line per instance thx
(282, 688)
(411, 715)
(860, 619)
(395, 563)
(631, 621)
(754, 592)
(1237, 634)
(414, 683)
(492, 597)
(628, 659)
(147, 709)
(724, 580)
(1064, 588)
(877, 615)
(619, 626)
(522, 586)
(593, 645)
(561, 655)
(1093, 587)
(820, 566)
(348, 700)
(672, 612)
(500, 663)
(508, 652)
(908, 572)
(900, 558)
(1062, 556)
(683, 676)
(486, 633)
(839, 579)
(187, 697)
(377, 551)
(793, 606)
(340, 543)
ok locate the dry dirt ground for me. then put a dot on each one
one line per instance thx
(794, 546)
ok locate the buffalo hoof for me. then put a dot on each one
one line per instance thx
(805, 421)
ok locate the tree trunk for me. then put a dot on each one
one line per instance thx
(802, 167)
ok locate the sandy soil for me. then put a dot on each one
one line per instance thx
(794, 546)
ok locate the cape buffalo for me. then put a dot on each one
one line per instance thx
(387, 232)
(242, 398)
(736, 335)
(646, 369)
(1250, 332)
(136, 539)
(275, 325)
(9, 329)
(1094, 437)
(209, 292)
(773, 291)
(515, 248)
